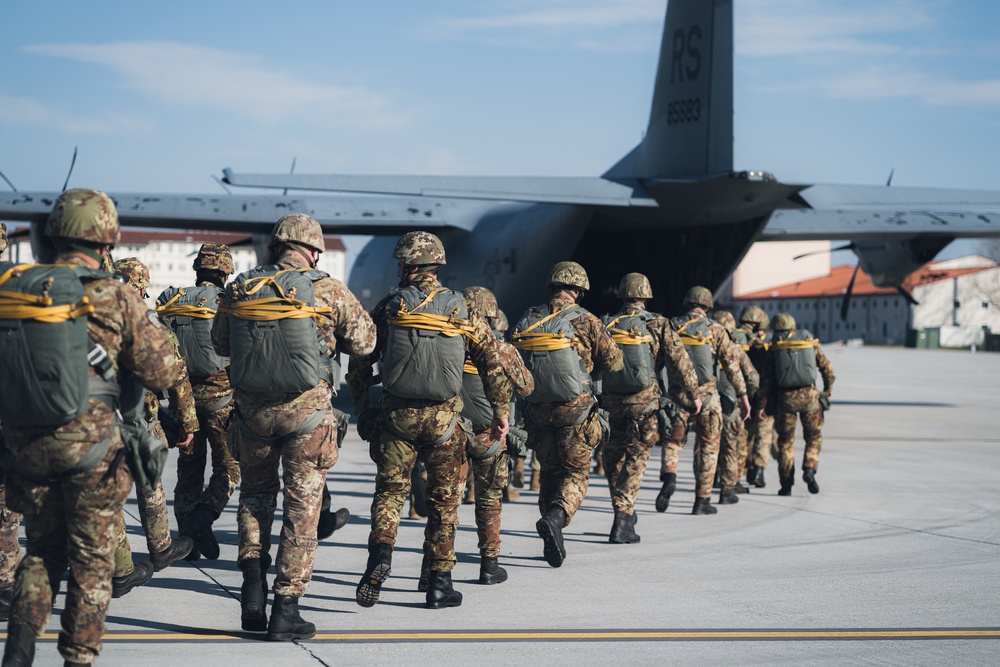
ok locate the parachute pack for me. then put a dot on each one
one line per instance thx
(548, 342)
(189, 312)
(632, 336)
(425, 348)
(697, 339)
(795, 359)
(45, 350)
(274, 342)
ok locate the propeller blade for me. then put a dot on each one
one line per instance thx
(7, 180)
(889, 181)
(906, 295)
(72, 164)
(849, 246)
(290, 171)
(846, 303)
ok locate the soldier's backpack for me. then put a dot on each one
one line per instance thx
(44, 347)
(189, 312)
(475, 406)
(697, 339)
(548, 343)
(795, 359)
(274, 344)
(632, 336)
(425, 347)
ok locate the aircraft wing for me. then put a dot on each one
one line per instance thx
(858, 212)
(547, 190)
(346, 215)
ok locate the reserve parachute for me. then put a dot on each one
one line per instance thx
(795, 359)
(425, 348)
(189, 312)
(548, 344)
(697, 338)
(275, 346)
(632, 336)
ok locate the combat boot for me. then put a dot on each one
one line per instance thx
(517, 476)
(490, 571)
(441, 594)
(622, 531)
(704, 506)
(379, 567)
(536, 480)
(140, 574)
(669, 486)
(286, 624)
(728, 497)
(253, 597)
(809, 477)
(330, 522)
(758, 478)
(6, 597)
(425, 573)
(740, 489)
(786, 486)
(510, 494)
(549, 528)
(178, 549)
(201, 519)
(20, 647)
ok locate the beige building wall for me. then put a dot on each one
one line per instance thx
(771, 264)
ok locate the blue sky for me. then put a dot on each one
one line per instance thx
(159, 96)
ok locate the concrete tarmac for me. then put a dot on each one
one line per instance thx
(895, 562)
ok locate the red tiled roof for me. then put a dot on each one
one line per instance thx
(835, 283)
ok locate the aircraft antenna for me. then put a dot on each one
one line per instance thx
(72, 163)
(291, 171)
(221, 184)
(849, 246)
(847, 295)
(889, 181)
(7, 180)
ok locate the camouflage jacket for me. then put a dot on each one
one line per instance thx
(768, 388)
(748, 370)
(179, 394)
(668, 352)
(596, 349)
(135, 340)
(726, 355)
(348, 327)
(484, 353)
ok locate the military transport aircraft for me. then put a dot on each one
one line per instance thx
(673, 208)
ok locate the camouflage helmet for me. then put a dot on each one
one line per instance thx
(419, 249)
(84, 215)
(500, 323)
(635, 286)
(3, 237)
(480, 300)
(699, 296)
(569, 273)
(133, 271)
(783, 322)
(754, 315)
(300, 229)
(215, 257)
(726, 319)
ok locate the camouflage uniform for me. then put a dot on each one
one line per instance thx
(265, 434)
(3, 238)
(10, 550)
(731, 455)
(635, 425)
(70, 521)
(788, 403)
(413, 429)
(708, 422)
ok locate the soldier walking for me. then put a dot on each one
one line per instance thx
(632, 396)
(755, 439)
(562, 345)
(281, 325)
(65, 465)
(425, 334)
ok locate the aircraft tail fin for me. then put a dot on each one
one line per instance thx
(690, 131)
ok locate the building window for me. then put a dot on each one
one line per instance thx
(986, 304)
(836, 326)
(885, 329)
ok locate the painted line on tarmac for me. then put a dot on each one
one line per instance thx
(429, 636)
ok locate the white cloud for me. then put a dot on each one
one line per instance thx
(197, 76)
(26, 111)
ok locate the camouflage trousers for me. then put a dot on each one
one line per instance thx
(491, 476)
(262, 441)
(625, 457)
(155, 520)
(708, 433)
(732, 450)
(438, 440)
(10, 549)
(190, 490)
(70, 523)
(762, 432)
(803, 403)
(564, 455)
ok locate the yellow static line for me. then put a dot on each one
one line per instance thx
(572, 635)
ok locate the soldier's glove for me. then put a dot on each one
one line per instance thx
(171, 428)
(824, 400)
(370, 424)
(517, 443)
(146, 455)
(343, 421)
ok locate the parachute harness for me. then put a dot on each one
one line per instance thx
(19, 306)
